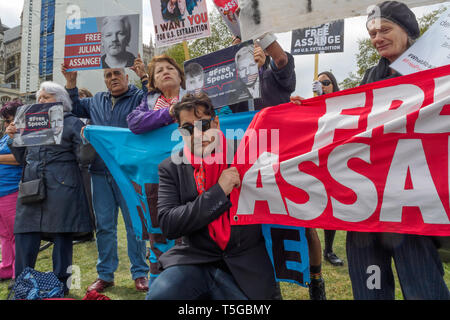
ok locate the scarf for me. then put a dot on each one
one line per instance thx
(206, 173)
(381, 71)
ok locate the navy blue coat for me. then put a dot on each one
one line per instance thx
(99, 109)
(65, 208)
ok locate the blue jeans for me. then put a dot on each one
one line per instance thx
(107, 199)
(416, 259)
(195, 282)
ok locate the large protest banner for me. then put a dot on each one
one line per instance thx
(101, 42)
(39, 124)
(176, 21)
(325, 38)
(431, 50)
(227, 76)
(258, 16)
(133, 161)
(372, 159)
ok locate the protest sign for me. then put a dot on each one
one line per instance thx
(102, 42)
(370, 159)
(39, 124)
(258, 17)
(227, 76)
(179, 20)
(325, 38)
(431, 50)
(227, 9)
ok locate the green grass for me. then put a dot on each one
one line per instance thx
(337, 281)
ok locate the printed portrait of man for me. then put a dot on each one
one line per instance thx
(247, 70)
(194, 78)
(56, 118)
(116, 38)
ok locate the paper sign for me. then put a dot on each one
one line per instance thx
(102, 42)
(227, 76)
(258, 17)
(179, 20)
(39, 124)
(430, 51)
(227, 9)
(325, 38)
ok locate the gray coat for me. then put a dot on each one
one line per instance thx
(65, 208)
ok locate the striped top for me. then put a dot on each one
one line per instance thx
(162, 102)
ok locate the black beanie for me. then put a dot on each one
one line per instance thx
(400, 14)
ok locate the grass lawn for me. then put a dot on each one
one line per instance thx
(337, 281)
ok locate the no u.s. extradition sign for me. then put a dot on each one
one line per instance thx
(325, 38)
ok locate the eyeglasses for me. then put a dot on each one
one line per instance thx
(325, 82)
(188, 128)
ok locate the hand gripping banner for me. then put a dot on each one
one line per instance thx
(133, 161)
(372, 159)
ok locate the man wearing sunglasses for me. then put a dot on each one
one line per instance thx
(215, 260)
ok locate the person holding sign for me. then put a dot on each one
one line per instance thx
(392, 28)
(116, 36)
(63, 213)
(111, 108)
(216, 260)
(166, 87)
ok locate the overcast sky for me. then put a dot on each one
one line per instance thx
(341, 64)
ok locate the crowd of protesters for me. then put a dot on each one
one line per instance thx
(209, 258)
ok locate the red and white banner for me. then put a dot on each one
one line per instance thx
(227, 9)
(373, 159)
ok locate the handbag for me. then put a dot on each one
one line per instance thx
(32, 191)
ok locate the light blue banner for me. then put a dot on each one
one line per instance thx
(133, 162)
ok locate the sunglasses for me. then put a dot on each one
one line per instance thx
(6, 121)
(325, 82)
(187, 129)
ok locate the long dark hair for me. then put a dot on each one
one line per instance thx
(332, 78)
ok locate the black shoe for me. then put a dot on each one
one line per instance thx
(317, 290)
(332, 258)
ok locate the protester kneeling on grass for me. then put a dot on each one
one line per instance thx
(215, 260)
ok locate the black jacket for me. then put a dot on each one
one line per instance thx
(182, 212)
(65, 209)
